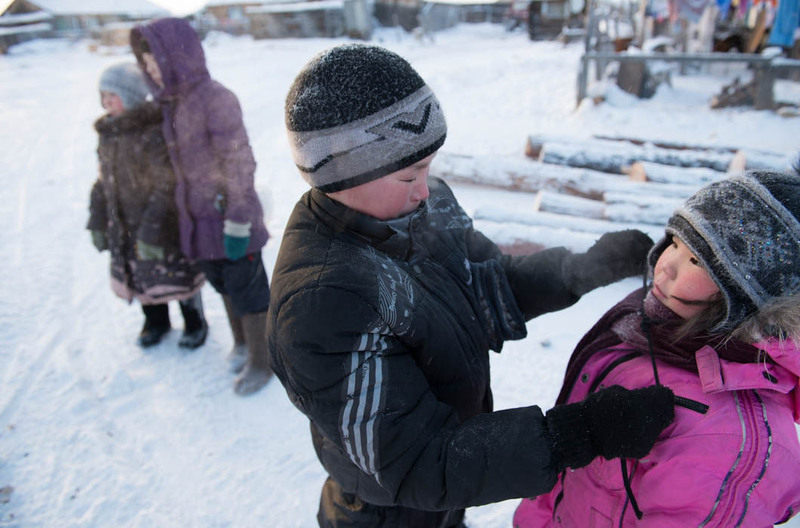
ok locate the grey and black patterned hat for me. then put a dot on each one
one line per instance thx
(358, 112)
(127, 81)
(745, 231)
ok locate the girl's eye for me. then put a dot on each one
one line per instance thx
(694, 261)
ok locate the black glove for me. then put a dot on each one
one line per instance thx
(615, 256)
(613, 422)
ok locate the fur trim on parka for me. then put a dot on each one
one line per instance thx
(779, 317)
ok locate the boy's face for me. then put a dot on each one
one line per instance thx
(152, 69)
(680, 282)
(112, 103)
(391, 196)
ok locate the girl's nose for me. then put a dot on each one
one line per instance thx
(668, 266)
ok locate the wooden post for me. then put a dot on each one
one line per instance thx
(583, 77)
(765, 79)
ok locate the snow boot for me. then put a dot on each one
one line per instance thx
(257, 371)
(237, 358)
(156, 324)
(195, 327)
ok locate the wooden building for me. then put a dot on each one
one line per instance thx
(83, 18)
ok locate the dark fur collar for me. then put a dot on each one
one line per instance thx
(137, 119)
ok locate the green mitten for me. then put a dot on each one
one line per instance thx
(145, 251)
(99, 240)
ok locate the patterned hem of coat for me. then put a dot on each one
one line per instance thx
(158, 294)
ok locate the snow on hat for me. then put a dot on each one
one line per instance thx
(356, 113)
(745, 231)
(127, 81)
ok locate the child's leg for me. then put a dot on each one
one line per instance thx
(195, 328)
(237, 358)
(245, 282)
(156, 324)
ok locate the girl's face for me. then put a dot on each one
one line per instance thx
(392, 196)
(112, 103)
(681, 283)
(152, 69)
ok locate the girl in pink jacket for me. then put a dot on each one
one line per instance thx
(720, 325)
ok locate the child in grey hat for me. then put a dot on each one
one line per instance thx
(720, 326)
(132, 210)
(386, 302)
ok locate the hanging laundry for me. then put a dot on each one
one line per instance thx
(690, 10)
(787, 19)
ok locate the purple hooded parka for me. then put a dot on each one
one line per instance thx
(207, 141)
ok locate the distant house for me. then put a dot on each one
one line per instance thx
(80, 18)
(20, 28)
(434, 15)
(228, 15)
(310, 18)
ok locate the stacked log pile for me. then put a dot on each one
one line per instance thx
(583, 188)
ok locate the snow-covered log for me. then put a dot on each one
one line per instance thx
(551, 202)
(522, 174)
(615, 207)
(644, 171)
(521, 232)
(654, 210)
(748, 158)
(613, 156)
(559, 222)
(519, 238)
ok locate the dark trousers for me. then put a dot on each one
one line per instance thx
(338, 509)
(244, 281)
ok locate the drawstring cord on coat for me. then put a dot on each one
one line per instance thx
(645, 325)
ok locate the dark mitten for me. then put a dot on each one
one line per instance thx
(615, 256)
(613, 422)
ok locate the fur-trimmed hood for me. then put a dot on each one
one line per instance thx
(779, 317)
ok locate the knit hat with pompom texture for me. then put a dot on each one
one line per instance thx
(745, 232)
(127, 81)
(356, 113)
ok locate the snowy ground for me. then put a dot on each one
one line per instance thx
(95, 432)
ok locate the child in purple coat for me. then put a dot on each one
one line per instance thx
(220, 216)
(720, 326)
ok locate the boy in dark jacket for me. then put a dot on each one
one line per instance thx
(132, 211)
(386, 301)
(220, 215)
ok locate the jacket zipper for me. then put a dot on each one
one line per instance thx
(750, 466)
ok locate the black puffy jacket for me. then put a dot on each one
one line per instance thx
(380, 332)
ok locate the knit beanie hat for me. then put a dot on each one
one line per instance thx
(356, 113)
(127, 81)
(745, 232)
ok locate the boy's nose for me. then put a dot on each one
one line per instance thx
(421, 191)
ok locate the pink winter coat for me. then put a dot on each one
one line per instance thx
(736, 465)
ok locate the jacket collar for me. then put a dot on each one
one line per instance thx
(138, 118)
(779, 374)
(394, 237)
